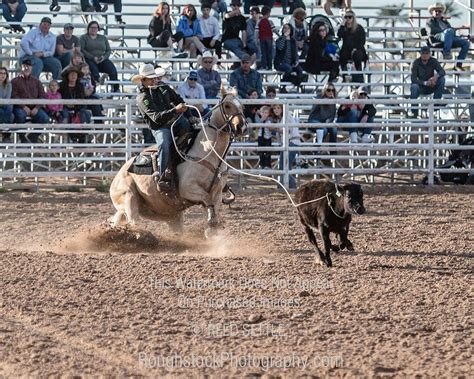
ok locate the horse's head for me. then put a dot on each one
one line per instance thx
(228, 115)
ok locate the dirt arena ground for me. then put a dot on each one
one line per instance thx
(78, 300)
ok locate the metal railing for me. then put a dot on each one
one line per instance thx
(402, 147)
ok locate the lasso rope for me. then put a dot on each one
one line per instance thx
(259, 176)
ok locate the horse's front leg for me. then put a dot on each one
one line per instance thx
(212, 221)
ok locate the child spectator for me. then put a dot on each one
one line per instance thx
(250, 111)
(264, 136)
(300, 32)
(89, 85)
(286, 58)
(251, 25)
(264, 38)
(54, 110)
(271, 92)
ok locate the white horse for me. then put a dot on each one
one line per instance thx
(201, 177)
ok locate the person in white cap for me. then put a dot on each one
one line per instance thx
(160, 106)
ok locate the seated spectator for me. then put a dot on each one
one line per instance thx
(353, 45)
(351, 113)
(300, 32)
(71, 88)
(341, 4)
(324, 114)
(14, 11)
(160, 30)
(442, 31)
(427, 76)
(190, 27)
(66, 44)
(26, 86)
(210, 29)
(233, 26)
(76, 60)
(96, 49)
(218, 6)
(6, 111)
(264, 38)
(286, 57)
(209, 78)
(245, 78)
(89, 85)
(322, 54)
(366, 114)
(251, 27)
(251, 110)
(292, 5)
(54, 111)
(271, 92)
(191, 89)
(38, 45)
(117, 8)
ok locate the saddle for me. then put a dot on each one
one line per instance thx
(147, 162)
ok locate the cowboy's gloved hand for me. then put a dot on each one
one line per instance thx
(181, 108)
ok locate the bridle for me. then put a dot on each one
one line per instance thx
(227, 125)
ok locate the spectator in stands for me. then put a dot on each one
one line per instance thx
(353, 45)
(211, 34)
(96, 50)
(324, 114)
(6, 111)
(71, 88)
(264, 136)
(271, 92)
(191, 89)
(54, 111)
(442, 31)
(190, 26)
(286, 57)
(264, 38)
(117, 8)
(219, 7)
(365, 114)
(297, 21)
(322, 54)
(66, 44)
(39, 45)
(427, 76)
(26, 86)
(292, 5)
(251, 25)
(89, 85)
(245, 78)
(160, 30)
(160, 107)
(349, 113)
(76, 60)
(341, 4)
(233, 26)
(14, 11)
(251, 110)
(209, 78)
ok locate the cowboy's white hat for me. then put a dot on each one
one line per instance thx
(206, 54)
(145, 71)
(441, 6)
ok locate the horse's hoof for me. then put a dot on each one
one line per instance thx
(210, 232)
(335, 248)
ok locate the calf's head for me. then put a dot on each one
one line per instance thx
(353, 198)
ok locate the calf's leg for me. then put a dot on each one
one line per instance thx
(320, 258)
(324, 231)
(345, 243)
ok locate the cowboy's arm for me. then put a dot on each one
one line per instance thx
(150, 111)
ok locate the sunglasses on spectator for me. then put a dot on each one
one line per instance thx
(192, 79)
(438, 11)
(333, 90)
(206, 61)
(348, 17)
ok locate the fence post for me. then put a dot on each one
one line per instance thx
(431, 144)
(285, 143)
(128, 130)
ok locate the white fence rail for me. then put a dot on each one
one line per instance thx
(403, 148)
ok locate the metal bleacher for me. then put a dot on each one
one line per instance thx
(401, 153)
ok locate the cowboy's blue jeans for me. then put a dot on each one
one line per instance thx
(450, 40)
